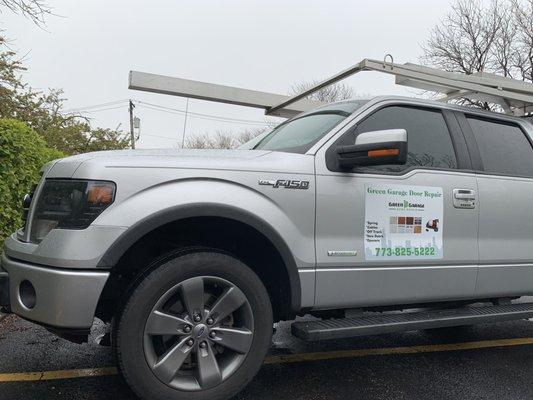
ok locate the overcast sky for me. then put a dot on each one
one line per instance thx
(88, 49)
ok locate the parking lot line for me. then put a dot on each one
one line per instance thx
(288, 358)
(432, 348)
(56, 375)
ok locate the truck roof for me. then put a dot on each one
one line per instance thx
(429, 103)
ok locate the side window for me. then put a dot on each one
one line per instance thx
(428, 140)
(504, 149)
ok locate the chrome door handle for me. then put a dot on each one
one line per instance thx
(464, 198)
(464, 194)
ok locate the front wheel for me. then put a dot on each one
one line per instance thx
(197, 327)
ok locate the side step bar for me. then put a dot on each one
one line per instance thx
(408, 321)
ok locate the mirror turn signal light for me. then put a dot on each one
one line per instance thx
(383, 152)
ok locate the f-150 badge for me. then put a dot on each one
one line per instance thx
(285, 183)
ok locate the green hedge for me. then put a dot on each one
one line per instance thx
(22, 154)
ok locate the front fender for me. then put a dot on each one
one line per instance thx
(284, 220)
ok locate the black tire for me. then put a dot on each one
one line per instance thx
(129, 332)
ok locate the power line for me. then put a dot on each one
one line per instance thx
(102, 109)
(209, 116)
(159, 136)
(214, 118)
(113, 105)
(109, 103)
(105, 107)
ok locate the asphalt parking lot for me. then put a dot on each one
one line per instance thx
(480, 362)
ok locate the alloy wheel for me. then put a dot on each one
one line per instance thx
(198, 333)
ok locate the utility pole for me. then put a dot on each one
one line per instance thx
(132, 133)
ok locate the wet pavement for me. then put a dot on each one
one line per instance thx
(455, 363)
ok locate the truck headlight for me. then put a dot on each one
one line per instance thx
(69, 204)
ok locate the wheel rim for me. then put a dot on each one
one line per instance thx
(198, 333)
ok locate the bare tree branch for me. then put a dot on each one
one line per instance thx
(35, 10)
(478, 37)
(523, 19)
(329, 94)
(222, 139)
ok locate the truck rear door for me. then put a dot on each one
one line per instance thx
(502, 153)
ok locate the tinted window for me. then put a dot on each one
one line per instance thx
(504, 148)
(428, 140)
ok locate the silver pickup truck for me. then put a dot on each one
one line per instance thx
(363, 206)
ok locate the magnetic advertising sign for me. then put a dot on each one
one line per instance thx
(403, 222)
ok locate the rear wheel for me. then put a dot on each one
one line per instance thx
(197, 327)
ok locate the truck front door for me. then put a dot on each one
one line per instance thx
(397, 234)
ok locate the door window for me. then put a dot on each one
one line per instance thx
(504, 149)
(428, 140)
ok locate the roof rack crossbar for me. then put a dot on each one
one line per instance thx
(341, 75)
(515, 97)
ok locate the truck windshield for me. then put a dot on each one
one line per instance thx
(300, 133)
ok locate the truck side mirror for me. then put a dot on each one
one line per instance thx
(375, 148)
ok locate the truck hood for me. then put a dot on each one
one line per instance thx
(245, 160)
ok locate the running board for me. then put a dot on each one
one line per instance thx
(386, 323)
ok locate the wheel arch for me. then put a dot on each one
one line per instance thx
(179, 213)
